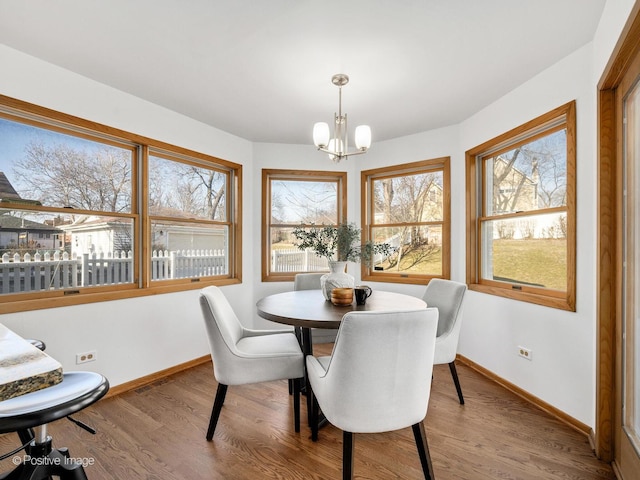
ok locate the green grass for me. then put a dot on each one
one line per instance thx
(540, 262)
(533, 261)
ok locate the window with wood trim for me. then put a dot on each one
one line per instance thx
(90, 213)
(408, 207)
(521, 216)
(293, 198)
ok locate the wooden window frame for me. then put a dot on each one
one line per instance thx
(295, 175)
(424, 166)
(474, 201)
(30, 114)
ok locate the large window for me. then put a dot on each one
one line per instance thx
(188, 215)
(408, 207)
(291, 198)
(89, 213)
(521, 194)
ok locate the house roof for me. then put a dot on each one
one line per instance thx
(8, 194)
(12, 223)
(6, 189)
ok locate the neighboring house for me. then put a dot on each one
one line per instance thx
(20, 234)
(516, 191)
(112, 234)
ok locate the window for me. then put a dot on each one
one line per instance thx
(408, 207)
(188, 216)
(291, 198)
(521, 220)
(90, 213)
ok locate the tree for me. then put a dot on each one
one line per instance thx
(531, 176)
(60, 175)
(304, 202)
(410, 200)
(180, 189)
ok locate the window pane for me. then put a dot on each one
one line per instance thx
(529, 177)
(408, 199)
(526, 250)
(186, 191)
(54, 169)
(418, 249)
(294, 202)
(49, 251)
(183, 250)
(286, 257)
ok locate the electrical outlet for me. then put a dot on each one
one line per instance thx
(86, 357)
(525, 353)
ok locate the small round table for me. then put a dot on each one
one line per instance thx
(307, 309)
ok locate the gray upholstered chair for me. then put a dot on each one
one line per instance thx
(447, 296)
(242, 356)
(307, 281)
(378, 377)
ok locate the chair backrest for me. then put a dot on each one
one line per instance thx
(380, 370)
(223, 328)
(307, 281)
(447, 297)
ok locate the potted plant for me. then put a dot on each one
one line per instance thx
(339, 245)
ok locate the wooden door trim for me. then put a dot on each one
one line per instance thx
(610, 236)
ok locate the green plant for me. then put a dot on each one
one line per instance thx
(341, 243)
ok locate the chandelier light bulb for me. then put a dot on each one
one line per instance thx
(321, 134)
(363, 137)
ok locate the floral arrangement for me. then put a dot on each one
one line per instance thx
(341, 243)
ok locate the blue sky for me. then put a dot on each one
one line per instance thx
(14, 136)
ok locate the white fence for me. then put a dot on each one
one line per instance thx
(60, 271)
(40, 272)
(187, 264)
(294, 260)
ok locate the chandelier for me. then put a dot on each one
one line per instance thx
(337, 146)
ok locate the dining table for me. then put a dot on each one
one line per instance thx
(308, 309)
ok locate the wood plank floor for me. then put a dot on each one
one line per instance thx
(157, 432)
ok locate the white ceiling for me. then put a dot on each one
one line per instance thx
(261, 69)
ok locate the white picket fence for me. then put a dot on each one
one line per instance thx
(294, 260)
(187, 264)
(39, 272)
(60, 271)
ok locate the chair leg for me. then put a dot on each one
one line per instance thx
(215, 413)
(423, 450)
(454, 374)
(314, 415)
(347, 455)
(296, 403)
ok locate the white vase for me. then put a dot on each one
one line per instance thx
(336, 278)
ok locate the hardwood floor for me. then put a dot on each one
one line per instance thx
(158, 432)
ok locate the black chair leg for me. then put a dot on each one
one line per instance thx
(215, 413)
(315, 410)
(423, 450)
(454, 374)
(347, 455)
(297, 382)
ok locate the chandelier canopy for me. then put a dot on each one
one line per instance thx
(337, 146)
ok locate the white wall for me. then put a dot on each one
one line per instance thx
(139, 336)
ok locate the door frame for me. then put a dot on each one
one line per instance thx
(610, 237)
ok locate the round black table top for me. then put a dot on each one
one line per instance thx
(309, 309)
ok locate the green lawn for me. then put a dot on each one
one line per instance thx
(533, 261)
(540, 262)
